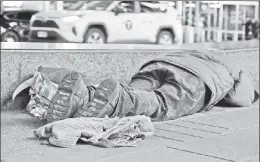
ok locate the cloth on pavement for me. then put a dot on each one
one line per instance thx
(103, 132)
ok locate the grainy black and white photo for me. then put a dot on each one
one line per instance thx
(132, 81)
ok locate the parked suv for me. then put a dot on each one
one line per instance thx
(109, 22)
(15, 25)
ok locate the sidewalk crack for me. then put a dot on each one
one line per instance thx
(168, 138)
(179, 133)
(188, 121)
(216, 157)
(193, 128)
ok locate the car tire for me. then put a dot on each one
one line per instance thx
(95, 36)
(165, 37)
(10, 36)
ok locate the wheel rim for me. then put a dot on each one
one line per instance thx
(165, 39)
(10, 37)
(95, 38)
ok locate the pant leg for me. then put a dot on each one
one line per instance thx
(163, 92)
(182, 93)
(149, 78)
(137, 98)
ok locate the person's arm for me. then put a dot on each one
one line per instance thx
(243, 92)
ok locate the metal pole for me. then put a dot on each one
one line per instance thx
(215, 23)
(209, 26)
(183, 12)
(220, 20)
(46, 5)
(244, 21)
(190, 31)
(236, 23)
(179, 7)
(2, 7)
(190, 14)
(59, 5)
(256, 12)
(226, 22)
(184, 19)
(197, 16)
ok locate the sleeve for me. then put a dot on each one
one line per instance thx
(243, 92)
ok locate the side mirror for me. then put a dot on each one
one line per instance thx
(117, 10)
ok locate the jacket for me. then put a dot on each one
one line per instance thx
(221, 76)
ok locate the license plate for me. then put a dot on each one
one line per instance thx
(42, 34)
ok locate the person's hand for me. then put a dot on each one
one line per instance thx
(35, 108)
(242, 94)
(39, 112)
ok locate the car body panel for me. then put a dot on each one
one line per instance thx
(132, 27)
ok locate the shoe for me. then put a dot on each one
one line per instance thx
(72, 93)
(104, 100)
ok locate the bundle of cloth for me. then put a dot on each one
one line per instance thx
(103, 132)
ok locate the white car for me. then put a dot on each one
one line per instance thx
(109, 22)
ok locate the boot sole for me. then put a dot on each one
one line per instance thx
(61, 104)
(103, 102)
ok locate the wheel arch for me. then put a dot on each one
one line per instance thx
(12, 30)
(100, 26)
(166, 28)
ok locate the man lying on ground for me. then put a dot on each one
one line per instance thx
(164, 89)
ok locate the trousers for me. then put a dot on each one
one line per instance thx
(162, 91)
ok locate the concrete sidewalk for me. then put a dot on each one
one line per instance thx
(222, 134)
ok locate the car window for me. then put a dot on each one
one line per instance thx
(149, 7)
(98, 5)
(126, 6)
(146, 8)
(25, 15)
(86, 5)
(10, 15)
(74, 5)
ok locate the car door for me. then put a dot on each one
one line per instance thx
(124, 27)
(148, 20)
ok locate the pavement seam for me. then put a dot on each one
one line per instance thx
(231, 109)
(179, 133)
(240, 129)
(216, 157)
(132, 153)
(173, 139)
(193, 128)
(188, 121)
(220, 110)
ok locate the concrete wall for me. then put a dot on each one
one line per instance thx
(18, 65)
